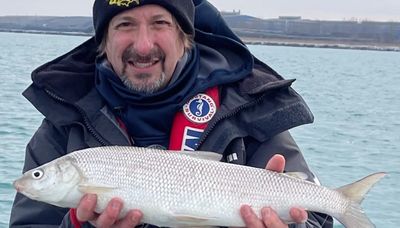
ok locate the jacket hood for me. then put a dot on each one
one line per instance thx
(70, 76)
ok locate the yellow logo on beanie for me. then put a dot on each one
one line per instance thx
(123, 2)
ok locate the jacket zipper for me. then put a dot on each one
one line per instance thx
(214, 123)
(86, 121)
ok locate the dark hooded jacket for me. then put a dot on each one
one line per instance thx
(253, 120)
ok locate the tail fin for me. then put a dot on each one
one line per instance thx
(354, 216)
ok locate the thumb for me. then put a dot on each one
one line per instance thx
(276, 163)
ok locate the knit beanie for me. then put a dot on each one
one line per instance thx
(105, 10)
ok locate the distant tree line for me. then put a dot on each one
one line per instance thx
(45, 23)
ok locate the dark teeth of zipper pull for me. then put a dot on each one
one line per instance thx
(232, 113)
(90, 128)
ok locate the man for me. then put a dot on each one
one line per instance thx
(152, 85)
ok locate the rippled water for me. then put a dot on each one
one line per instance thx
(19, 55)
(354, 96)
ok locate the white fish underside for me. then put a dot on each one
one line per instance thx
(172, 189)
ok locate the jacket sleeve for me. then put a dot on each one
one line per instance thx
(284, 144)
(48, 143)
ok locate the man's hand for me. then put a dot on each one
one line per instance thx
(269, 217)
(109, 218)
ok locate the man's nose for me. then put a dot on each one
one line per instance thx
(144, 41)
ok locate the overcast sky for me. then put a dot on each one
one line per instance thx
(381, 10)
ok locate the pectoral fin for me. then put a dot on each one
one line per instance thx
(196, 227)
(95, 189)
(190, 219)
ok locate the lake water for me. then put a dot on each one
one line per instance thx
(353, 94)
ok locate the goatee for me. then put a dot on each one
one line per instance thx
(146, 85)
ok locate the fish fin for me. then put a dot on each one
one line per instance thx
(357, 190)
(354, 215)
(203, 155)
(196, 227)
(298, 175)
(95, 189)
(191, 219)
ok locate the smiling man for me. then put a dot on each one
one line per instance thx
(148, 78)
(143, 45)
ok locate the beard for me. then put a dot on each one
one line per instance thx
(145, 85)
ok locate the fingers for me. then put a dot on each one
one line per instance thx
(298, 215)
(132, 219)
(271, 219)
(250, 218)
(110, 215)
(85, 209)
(276, 163)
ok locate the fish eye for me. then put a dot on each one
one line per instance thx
(37, 174)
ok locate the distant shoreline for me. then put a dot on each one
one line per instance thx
(315, 43)
(310, 43)
(46, 32)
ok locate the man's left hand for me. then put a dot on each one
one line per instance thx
(270, 218)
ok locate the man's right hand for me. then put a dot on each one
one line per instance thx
(109, 217)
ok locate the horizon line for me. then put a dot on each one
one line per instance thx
(352, 19)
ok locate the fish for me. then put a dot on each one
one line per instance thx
(187, 189)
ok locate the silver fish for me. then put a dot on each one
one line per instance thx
(187, 188)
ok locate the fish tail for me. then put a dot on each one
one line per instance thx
(354, 216)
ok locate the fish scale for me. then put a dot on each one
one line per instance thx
(203, 181)
(188, 188)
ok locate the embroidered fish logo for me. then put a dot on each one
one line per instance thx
(125, 3)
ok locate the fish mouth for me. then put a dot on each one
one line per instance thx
(21, 188)
(17, 186)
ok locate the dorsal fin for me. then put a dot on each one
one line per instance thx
(298, 175)
(203, 155)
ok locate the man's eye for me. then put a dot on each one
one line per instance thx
(124, 25)
(162, 22)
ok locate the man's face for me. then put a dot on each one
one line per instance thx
(143, 46)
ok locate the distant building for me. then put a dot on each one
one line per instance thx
(297, 28)
(289, 18)
(230, 13)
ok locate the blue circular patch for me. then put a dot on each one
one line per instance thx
(200, 109)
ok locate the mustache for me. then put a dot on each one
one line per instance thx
(131, 55)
